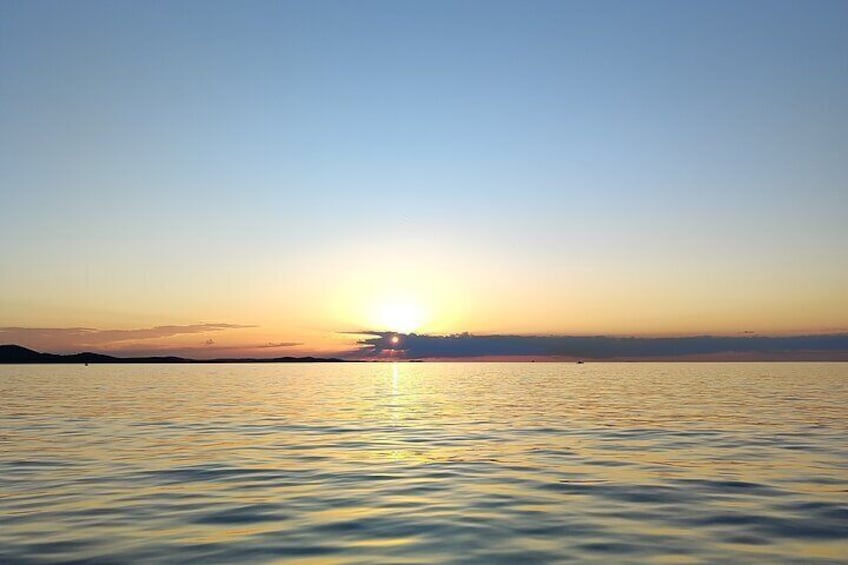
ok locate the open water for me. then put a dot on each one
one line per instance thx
(425, 463)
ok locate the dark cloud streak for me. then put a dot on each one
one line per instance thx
(596, 347)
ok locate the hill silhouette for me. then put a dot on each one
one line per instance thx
(16, 354)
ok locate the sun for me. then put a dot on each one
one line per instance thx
(402, 315)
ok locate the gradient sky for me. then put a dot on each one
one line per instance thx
(303, 169)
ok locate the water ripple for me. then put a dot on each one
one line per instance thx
(425, 463)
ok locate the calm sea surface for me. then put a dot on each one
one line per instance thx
(425, 463)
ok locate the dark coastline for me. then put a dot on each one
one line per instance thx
(17, 355)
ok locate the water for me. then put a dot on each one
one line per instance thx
(425, 463)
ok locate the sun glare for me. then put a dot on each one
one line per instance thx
(400, 315)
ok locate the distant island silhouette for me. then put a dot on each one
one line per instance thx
(16, 354)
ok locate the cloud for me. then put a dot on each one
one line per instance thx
(598, 347)
(203, 351)
(76, 338)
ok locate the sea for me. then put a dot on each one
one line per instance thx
(425, 463)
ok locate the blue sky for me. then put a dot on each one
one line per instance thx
(176, 162)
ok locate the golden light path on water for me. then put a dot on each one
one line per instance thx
(425, 463)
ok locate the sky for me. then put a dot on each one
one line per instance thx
(270, 178)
